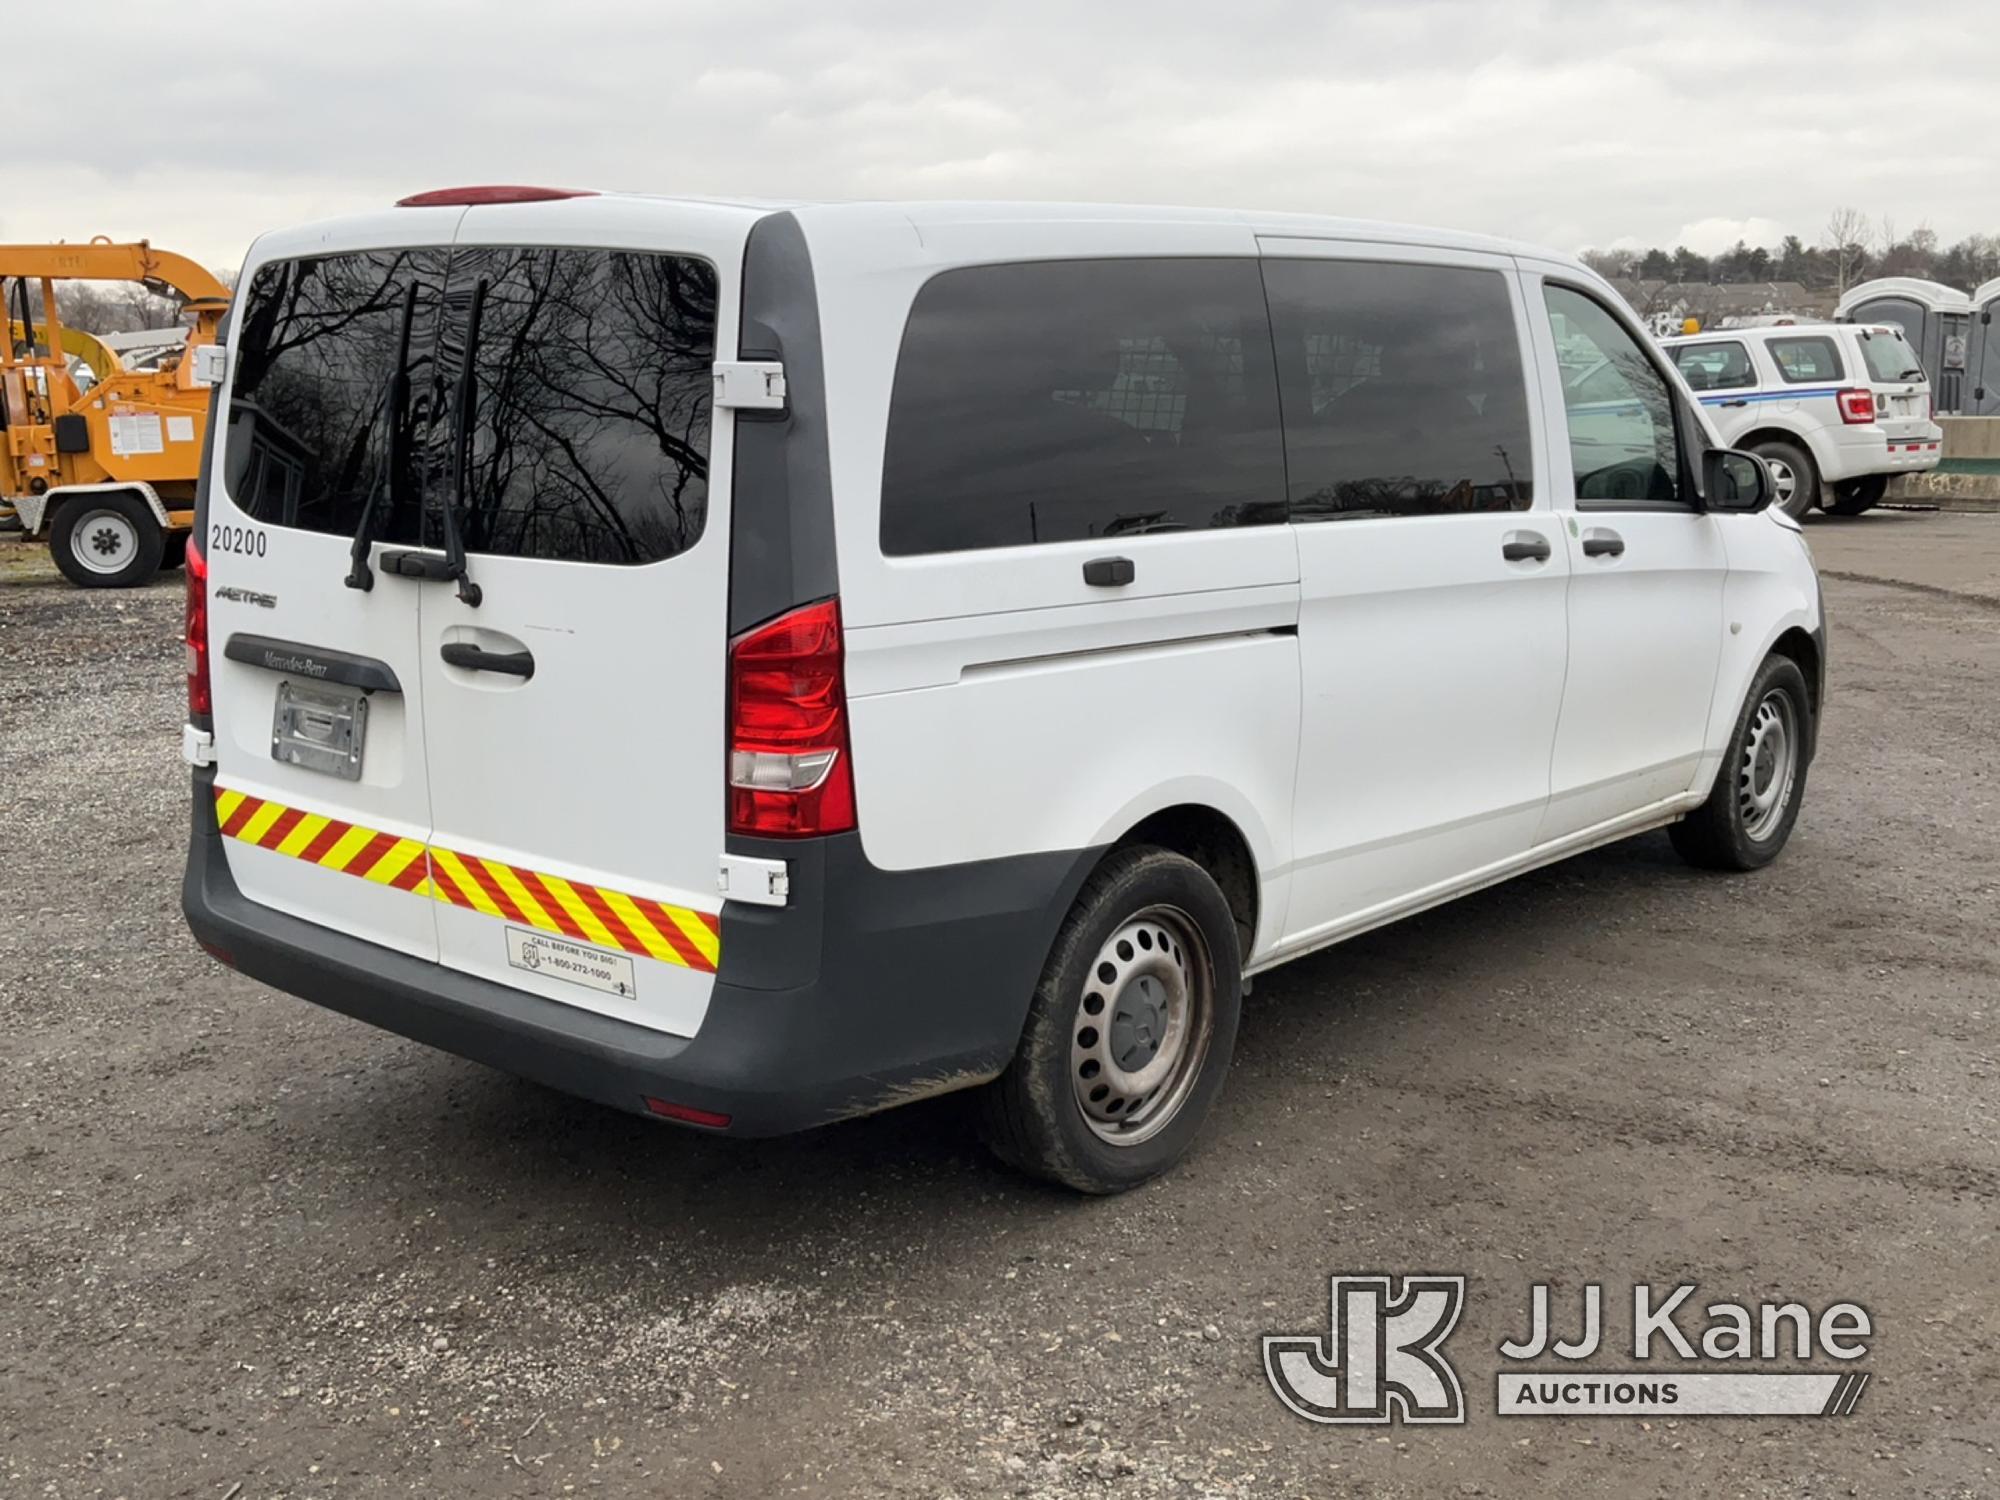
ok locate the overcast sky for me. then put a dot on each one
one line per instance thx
(1570, 124)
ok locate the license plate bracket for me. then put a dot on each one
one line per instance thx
(320, 727)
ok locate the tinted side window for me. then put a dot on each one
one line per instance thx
(1059, 400)
(1715, 367)
(1620, 410)
(1403, 389)
(590, 416)
(1803, 360)
(309, 419)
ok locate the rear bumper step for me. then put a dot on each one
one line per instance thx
(871, 989)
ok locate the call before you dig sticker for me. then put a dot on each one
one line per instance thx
(539, 953)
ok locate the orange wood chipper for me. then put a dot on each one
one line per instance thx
(105, 471)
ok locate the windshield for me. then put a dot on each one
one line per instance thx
(1888, 357)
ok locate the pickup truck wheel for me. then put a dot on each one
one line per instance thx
(1130, 1030)
(107, 541)
(1794, 476)
(1755, 801)
(1852, 496)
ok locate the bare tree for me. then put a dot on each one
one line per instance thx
(1846, 234)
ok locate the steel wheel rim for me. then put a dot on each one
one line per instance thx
(1769, 765)
(1784, 480)
(1142, 1026)
(104, 541)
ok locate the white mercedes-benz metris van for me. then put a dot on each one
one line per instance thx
(759, 664)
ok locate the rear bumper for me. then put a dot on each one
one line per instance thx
(870, 988)
(1863, 451)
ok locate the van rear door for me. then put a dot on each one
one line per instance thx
(574, 713)
(318, 693)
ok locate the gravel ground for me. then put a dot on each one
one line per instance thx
(244, 1242)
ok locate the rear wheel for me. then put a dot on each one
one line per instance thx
(1130, 1031)
(1794, 476)
(1852, 496)
(174, 554)
(107, 541)
(1750, 812)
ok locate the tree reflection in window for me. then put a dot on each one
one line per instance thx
(591, 429)
(308, 433)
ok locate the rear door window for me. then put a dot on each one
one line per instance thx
(1062, 400)
(1888, 357)
(1805, 361)
(588, 430)
(1404, 393)
(584, 437)
(310, 418)
(1715, 367)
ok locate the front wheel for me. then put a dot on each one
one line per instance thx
(1853, 496)
(1130, 1032)
(1750, 812)
(110, 540)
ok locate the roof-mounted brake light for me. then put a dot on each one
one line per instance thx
(462, 197)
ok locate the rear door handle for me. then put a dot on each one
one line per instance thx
(479, 659)
(1525, 546)
(1603, 544)
(1109, 572)
(1732, 403)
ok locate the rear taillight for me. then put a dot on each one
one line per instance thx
(790, 773)
(201, 702)
(1857, 406)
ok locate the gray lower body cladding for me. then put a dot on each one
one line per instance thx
(869, 988)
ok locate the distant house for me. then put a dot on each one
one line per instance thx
(1665, 305)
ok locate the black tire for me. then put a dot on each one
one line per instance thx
(174, 554)
(1724, 832)
(1805, 474)
(1853, 496)
(1033, 1115)
(107, 541)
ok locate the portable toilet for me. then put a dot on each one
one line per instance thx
(1935, 318)
(1982, 363)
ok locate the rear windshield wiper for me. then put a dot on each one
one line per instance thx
(396, 401)
(453, 565)
(462, 409)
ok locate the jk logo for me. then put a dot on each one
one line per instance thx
(1383, 1350)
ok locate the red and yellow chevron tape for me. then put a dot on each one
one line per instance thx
(587, 913)
(328, 842)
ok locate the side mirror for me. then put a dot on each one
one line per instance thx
(1735, 481)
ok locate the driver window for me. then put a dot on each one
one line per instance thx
(1622, 442)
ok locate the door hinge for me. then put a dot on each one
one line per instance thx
(211, 365)
(197, 746)
(761, 882)
(750, 384)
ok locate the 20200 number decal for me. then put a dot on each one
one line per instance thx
(247, 540)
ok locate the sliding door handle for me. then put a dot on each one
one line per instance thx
(1525, 546)
(1603, 544)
